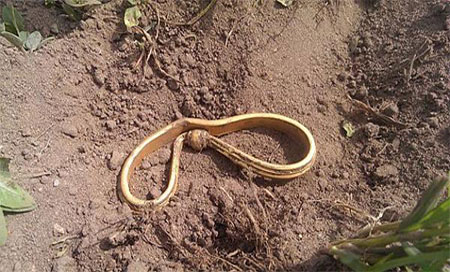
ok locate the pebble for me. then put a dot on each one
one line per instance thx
(342, 76)
(323, 183)
(386, 170)
(172, 84)
(116, 160)
(26, 133)
(345, 175)
(154, 192)
(70, 130)
(371, 130)
(190, 60)
(58, 230)
(27, 154)
(208, 221)
(164, 155)
(146, 165)
(56, 183)
(111, 125)
(352, 84)
(391, 110)
(433, 122)
(362, 92)
(137, 266)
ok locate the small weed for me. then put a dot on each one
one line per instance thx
(12, 28)
(421, 240)
(73, 8)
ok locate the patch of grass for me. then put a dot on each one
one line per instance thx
(421, 240)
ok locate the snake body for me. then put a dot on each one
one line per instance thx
(200, 133)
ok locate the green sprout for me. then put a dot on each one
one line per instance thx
(420, 241)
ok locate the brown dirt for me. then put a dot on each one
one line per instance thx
(76, 107)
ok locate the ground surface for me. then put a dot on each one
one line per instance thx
(71, 111)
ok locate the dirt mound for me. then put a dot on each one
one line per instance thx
(74, 109)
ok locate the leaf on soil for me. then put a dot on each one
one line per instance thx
(73, 14)
(285, 3)
(349, 129)
(23, 36)
(428, 202)
(33, 41)
(3, 230)
(12, 197)
(15, 40)
(12, 19)
(82, 3)
(131, 17)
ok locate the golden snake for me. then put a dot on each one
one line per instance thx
(199, 133)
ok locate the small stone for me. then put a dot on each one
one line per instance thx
(65, 264)
(323, 183)
(190, 60)
(173, 84)
(137, 266)
(345, 175)
(321, 108)
(54, 28)
(146, 165)
(385, 171)
(342, 76)
(203, 90)
(154, 192)
(208, 221)
(26, 153)
(111, 125)
(116, 160)
(25, 133)
(371, 130)
(70, 129)
(58, 230)
(362, 92)
(352, 84)
(164, 155)
(391, 110)
(433, 122)
(56, 183)
(94, 204)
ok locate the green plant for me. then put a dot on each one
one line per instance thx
(133, 13)
(12, 198)
(73, 8)
(12, 28)
(420, 240)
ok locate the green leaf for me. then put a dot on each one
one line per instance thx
(12, 197)
(3, 230)
(12, 19)
(410, 249)
(348, 127)
(431, 257)
(2, 27)
(429, 200)
(15, 40)
(132, 2)
(73, 14)
(349, 258)
(285, 3)
(33, 41)
(131, 17)
(82, 3)
(23, 36)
